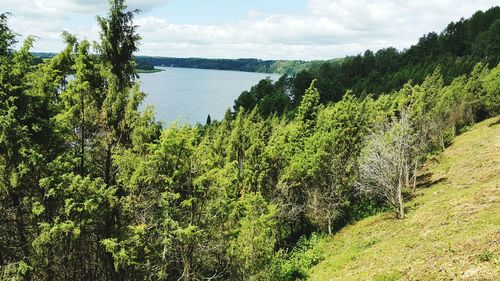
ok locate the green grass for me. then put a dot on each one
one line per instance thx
(452, 227)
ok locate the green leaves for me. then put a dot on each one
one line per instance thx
(37, 208)
(267, 97)
(492, 88)
(308, 107)
(253, 235)
(119, 41)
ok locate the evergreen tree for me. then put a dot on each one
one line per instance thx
(119, 41)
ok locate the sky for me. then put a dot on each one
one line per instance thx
(265, 29)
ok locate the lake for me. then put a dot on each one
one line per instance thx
(189, 95)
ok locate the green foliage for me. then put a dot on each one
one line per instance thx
(251, 65)
(308, 108)
(288, 67)
(295, 265)
(365, 207)
(253, 235)
(456, 50)
(268, 97)
(7, 37)
(381, 246)
(119, 40)
(492, 88)
(486, 256)
(91, 188)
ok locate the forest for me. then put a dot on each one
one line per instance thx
(148, 63)
(286, 67)
(250, 65)
(456, 51)
(92, 188)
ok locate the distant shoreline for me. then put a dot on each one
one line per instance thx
(157, 67)
(147, 71)
(147, 64)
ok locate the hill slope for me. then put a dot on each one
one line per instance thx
(452, 229)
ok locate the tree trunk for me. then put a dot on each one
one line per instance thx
(441, 140)
(407, 174)
(400, 211)
(415, 175)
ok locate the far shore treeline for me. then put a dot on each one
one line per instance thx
(148, 63)
(92, 188)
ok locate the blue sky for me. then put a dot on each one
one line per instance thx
(267, 29)
(224, 11)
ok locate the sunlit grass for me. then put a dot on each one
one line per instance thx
(452, 229)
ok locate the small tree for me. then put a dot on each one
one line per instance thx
(383, 163)
(333, 152)
(307, 111)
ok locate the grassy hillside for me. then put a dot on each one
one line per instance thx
(452, 230)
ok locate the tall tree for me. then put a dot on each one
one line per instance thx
(119, 41)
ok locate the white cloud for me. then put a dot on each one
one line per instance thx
(326, 29)
(66, 8)
(47, 19)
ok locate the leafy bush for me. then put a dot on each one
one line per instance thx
(295, 264)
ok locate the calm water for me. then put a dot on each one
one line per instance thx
(189, 95)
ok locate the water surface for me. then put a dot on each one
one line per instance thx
(189, 95)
